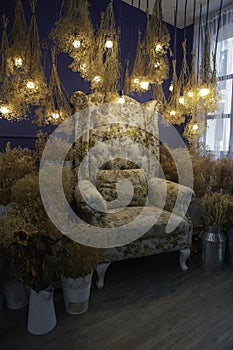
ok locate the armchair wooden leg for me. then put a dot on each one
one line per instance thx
(101, 270)
(184, 255)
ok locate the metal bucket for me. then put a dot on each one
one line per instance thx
(213, 248)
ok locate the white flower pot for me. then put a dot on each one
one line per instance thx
(16, 295)
(41, 314)
(76, 293)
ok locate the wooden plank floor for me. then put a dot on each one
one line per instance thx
(147, 304)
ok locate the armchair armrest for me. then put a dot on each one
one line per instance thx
(89, 201)
(177, 197)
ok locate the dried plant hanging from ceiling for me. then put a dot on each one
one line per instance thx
(108, 43)
(201, 93)
(73, 34)
(10, 106)
(151, 63)
(173, 109)
(35, 87)
(18, 53)
(55, 107)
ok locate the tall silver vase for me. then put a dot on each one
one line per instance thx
(213, 248)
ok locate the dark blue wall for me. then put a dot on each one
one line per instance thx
(128, 18)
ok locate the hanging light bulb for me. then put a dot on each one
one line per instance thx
(204, 92)
(76, 44)
(190, 94)
(55, 115)
(4, 110)
(97, 78)
(121, 97)
(18, 62)
(109, 44)
(181, 100)
(173, 113)
(30, 85)
(195, 127)
(144, 85)
(83, 66)
(158, 47)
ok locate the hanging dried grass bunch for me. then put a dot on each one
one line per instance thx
(108, 44)
(18, 55)
(174, 110)
(151, 63)
(73, 33)
(55, 107)
(10, 106)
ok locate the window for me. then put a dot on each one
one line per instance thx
(219, 124)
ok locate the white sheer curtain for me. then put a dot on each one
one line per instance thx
(219, 132)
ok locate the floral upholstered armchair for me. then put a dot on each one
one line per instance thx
(118, 185)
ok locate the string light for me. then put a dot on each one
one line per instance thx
(195, 127)
(109, 44)
(18, 62)
(77, 44)
(55, 115)
(31, 85)
(4, 110)
(144, 85)
(97, 79)
(204, 92)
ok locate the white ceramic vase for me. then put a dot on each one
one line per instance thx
(76, 293)
(41, 314)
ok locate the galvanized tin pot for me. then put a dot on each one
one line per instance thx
(213, 248)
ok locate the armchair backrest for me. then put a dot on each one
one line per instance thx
(114, 136)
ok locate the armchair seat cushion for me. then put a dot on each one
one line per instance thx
(151, 214)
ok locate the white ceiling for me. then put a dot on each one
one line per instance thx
(168, 8)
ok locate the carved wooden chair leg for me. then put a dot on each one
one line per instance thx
(101, 270)
(184, 255)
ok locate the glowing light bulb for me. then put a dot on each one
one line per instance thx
(121, 99)
(83, 66)
(195, 127)
(157, 64)
(204, 92)
(97, 78)
(181, 100)
(30, 85)
(136, 81)
(109, 44)
(144, 85)
(4, 110)
(171, 87)
(18, 62)
(173, 113)
(158, 47)
(55, 115)
(77, 44)
(190, 94)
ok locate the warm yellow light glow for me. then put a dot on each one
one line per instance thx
(97, 78)
(171, 87)
(121, 99)
(109, 44)
(144, 85)
(55, 115)
(83, 66)
(77, 44)
(158, 47)
(4, 110)
(18, 62)
(204, 92)
(181, 100)
(30, 85)
(136, 81)
(157, 64)
(195, 127)
(173, 113)
(190, 94)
